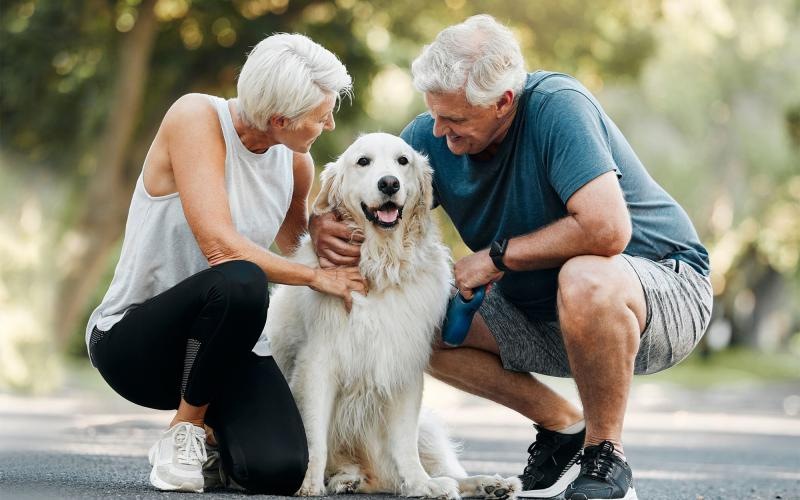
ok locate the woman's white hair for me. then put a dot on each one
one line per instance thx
(479, 56)
(288, 75)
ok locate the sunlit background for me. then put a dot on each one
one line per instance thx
(708, 93)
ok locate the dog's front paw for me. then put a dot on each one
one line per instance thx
(492, 487)
(442, 488)
(311, 488)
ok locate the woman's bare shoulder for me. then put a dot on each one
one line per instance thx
(192, 111)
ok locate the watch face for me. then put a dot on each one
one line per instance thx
(498, 247)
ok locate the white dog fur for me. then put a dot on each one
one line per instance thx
(358, 377)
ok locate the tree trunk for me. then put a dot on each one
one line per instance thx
(771, 315)
(102, 215)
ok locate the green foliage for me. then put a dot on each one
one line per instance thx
(730, 367)
(706, 92)
(59, 58)
(714, 117)
(55, 60)
(59, 64)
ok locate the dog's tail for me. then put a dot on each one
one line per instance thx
(437, 452)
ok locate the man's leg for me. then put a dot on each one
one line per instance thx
(504, 333)
(475, 367)
(602, 312)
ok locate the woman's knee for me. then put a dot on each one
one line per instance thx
(244, 285)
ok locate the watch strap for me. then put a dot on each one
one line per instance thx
(497, 251)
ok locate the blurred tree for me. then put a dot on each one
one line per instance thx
(715, 119)
(85, 83)
(112, 69)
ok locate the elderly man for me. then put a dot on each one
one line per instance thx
(598, 272)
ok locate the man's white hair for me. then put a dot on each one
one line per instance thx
(288, 75)
(479, 56)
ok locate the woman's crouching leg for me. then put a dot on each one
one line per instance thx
(261, 437)
(227, 326)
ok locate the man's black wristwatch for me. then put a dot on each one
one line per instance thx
(497, 251)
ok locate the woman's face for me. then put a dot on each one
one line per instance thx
(301, 134)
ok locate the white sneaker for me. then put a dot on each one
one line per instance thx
(177, 459)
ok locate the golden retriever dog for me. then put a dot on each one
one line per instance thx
(358, 377)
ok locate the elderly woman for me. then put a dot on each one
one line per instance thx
(223, 180)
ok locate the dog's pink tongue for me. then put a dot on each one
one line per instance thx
(388, 216)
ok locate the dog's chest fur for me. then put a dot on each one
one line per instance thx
(385, 341)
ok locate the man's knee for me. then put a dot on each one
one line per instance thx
(586, 286)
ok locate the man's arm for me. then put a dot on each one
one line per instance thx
(598, 224)
(334, 241)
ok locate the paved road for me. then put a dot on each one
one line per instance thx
(733, 443)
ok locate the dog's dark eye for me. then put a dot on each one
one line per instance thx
(402, 160)
(363, 161)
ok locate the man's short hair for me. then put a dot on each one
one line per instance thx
(479, 56)
(288, 75)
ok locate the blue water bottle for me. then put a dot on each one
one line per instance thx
(459, 316)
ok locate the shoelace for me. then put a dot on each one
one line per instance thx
(191, 448)
(596, 461)
(539, 451)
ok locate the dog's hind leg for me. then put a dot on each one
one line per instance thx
(438, 456)
(314, 392)
(349, 478)
(403, 417)
(437, 452)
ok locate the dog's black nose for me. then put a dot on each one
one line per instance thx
(389, 185)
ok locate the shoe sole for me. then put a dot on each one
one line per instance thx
(165, 486)
(162, 485)
(557, 488)
(630, 495)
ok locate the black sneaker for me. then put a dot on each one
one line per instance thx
(604, 474)
(552, 463)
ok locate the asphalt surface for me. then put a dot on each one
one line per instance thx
(739, 442)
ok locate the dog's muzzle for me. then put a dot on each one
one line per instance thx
(387, 215)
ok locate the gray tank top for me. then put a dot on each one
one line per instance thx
(159, 249)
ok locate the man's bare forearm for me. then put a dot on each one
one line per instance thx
(562, 240)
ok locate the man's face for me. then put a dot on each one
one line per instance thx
(469, 129)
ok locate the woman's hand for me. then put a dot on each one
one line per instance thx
(339, 281)
(334, 242)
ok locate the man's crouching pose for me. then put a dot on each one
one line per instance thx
(599, 273)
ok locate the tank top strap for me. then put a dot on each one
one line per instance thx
(225, 120)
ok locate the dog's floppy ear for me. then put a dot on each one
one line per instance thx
(420, 212)
(426, 181)
(329, 197)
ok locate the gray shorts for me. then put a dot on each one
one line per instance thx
(679, 301)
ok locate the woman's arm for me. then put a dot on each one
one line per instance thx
(296, 221)
(196, 151)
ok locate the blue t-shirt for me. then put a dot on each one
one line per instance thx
(560, 140)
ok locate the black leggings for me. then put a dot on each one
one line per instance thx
(194, 341)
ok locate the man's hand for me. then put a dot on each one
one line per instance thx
(334, 242)
(473, 271)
